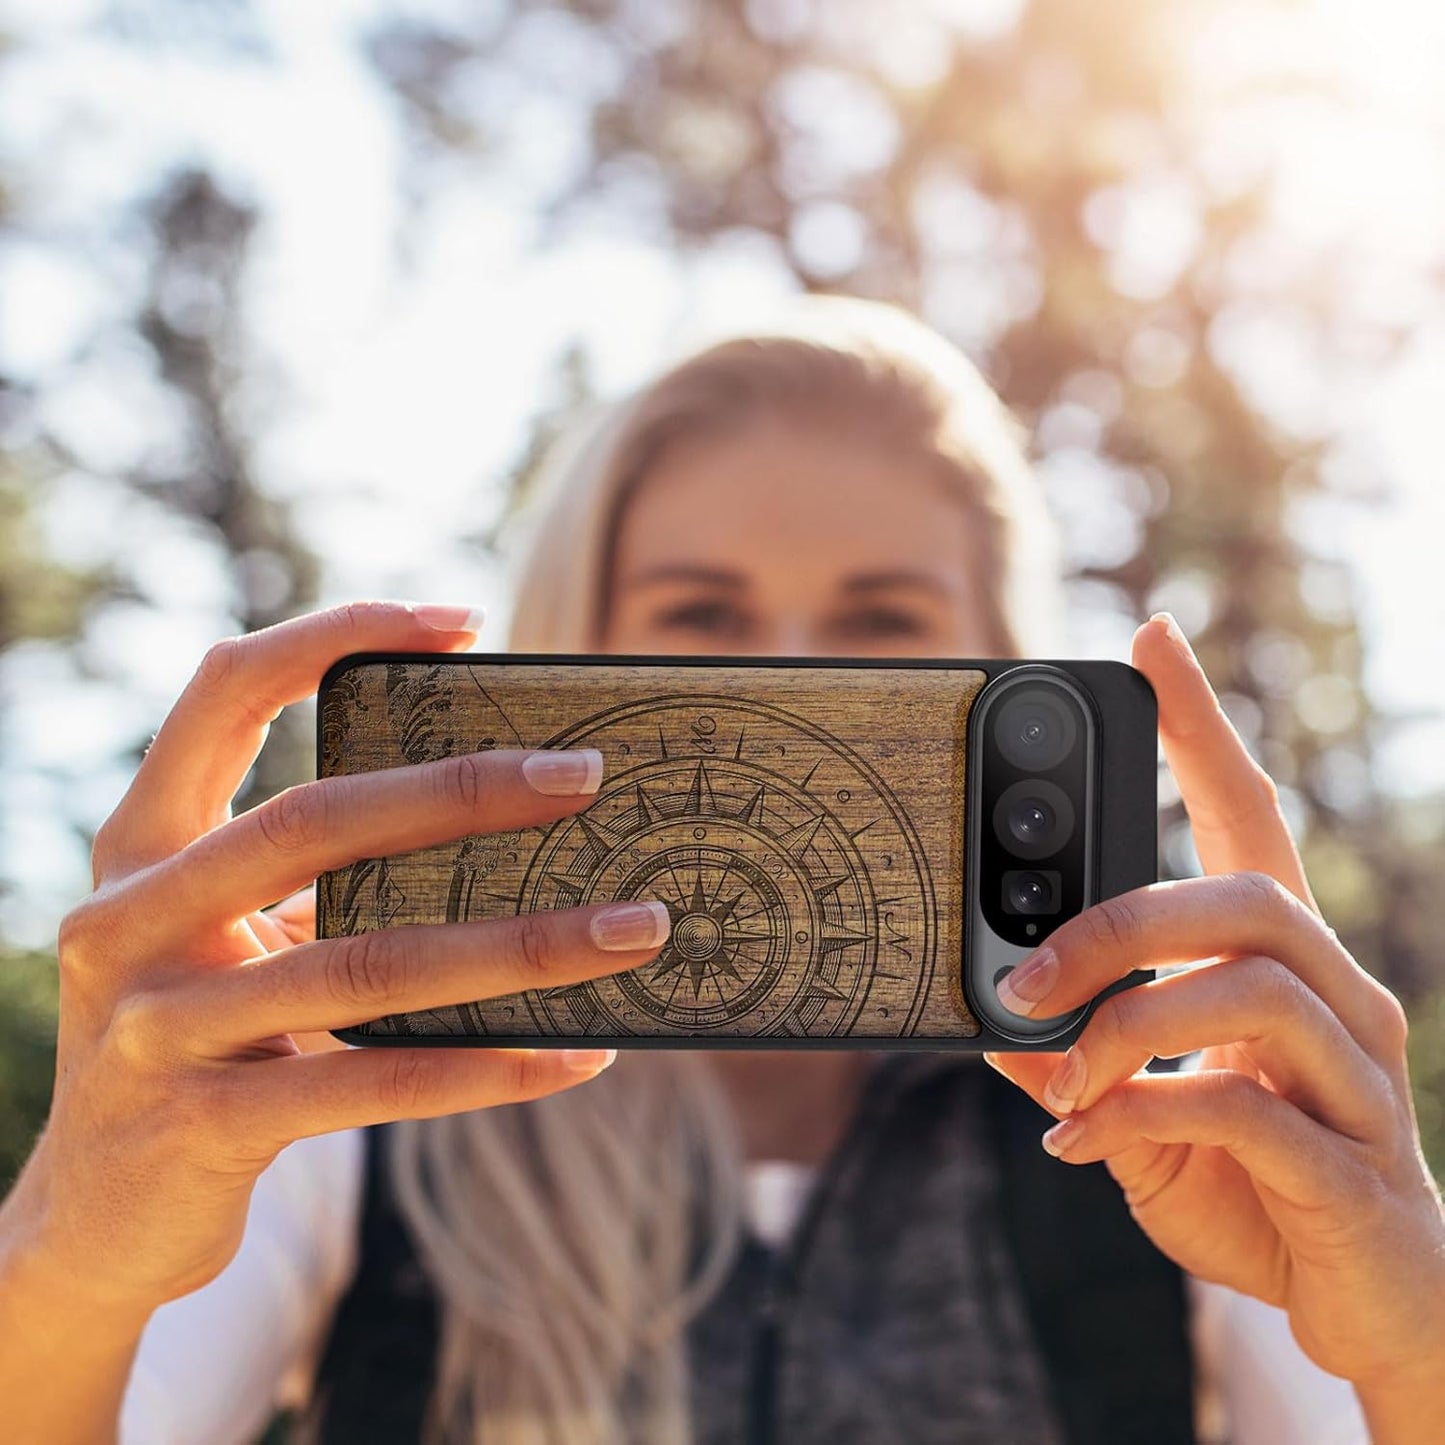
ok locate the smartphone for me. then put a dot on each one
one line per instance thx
(853, 851)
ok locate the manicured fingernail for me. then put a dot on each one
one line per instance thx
(588, 1061)
(1175, 632)
(631, 925)
(1067, 1084)
(1021, 990)
(1064, 1133)
(564, 771)
(449, 619)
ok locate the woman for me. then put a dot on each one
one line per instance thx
(847, 486)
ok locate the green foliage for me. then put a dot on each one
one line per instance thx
(280, 1431)
(1427, 1075)
(38, 598)
(28, 1002)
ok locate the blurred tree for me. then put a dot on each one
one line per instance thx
(190, 318)
(193, 320)
(38, 599)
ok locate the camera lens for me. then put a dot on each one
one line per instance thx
(1033, 818)
(1030, 892)
(1035, 729)
(1030, 819)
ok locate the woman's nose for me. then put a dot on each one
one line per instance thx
(792, 636)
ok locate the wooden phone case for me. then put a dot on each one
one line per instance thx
(803, 818)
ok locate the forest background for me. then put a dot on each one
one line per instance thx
(292, 296)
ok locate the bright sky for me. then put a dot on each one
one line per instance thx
(420, 381)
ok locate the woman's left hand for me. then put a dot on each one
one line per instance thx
(1288, 1166)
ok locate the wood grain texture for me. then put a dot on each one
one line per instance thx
(804, 826)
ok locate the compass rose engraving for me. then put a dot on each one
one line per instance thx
(700, 939)
(745, 820)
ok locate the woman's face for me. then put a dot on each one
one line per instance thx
(787, 540)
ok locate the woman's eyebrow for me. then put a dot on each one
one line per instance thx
(684, 572)
(877, 581)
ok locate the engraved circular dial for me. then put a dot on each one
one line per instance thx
(746, 821)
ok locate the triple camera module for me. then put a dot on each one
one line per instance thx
(1034, 740)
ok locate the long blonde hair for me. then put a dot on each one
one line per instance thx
(571, 1238)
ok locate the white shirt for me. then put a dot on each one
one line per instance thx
(215, 1365)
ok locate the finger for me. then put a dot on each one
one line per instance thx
(283, 843)
(211, 737)
(296, 915)
(1283, 1149)
(297, 909)
(270, 934)
(340, 982)
(277, 1101)
(1188, 919)
(1233, 804)
(1306, 1054)
(1030, 1069)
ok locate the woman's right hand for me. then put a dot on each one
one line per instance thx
(177, 1079)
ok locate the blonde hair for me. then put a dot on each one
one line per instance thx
(571, 1238)
(869, 365)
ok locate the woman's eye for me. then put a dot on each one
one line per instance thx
(705, 616)
(883, 621)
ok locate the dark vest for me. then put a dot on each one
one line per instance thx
(949, 1281)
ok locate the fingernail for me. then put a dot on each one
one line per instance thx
(631, 925)
(588, 1061)
(449, 619)
(1174, 632)
(562, 771)
(1067, 1084)
(1064, 1133)
(1022, 989)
